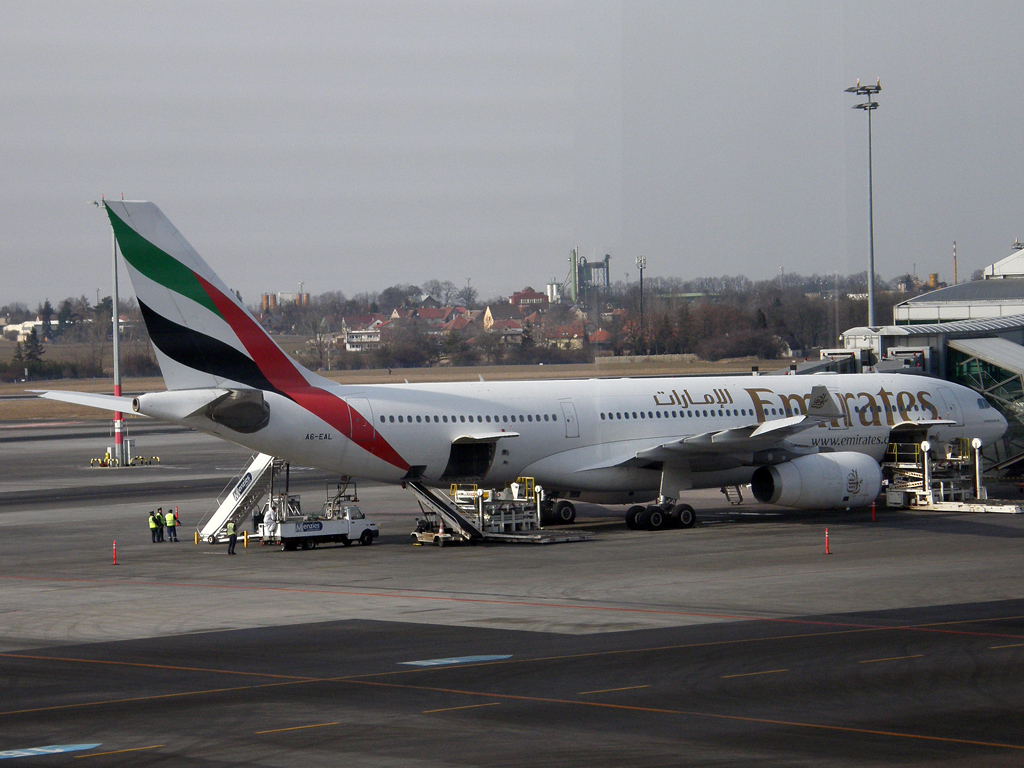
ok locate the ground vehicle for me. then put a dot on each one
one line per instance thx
(340, 522)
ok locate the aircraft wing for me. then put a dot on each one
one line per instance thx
(92, 400)
(736, 441)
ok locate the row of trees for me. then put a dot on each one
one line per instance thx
(82, 333)
(712, 317)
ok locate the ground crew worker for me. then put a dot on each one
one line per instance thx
(152, 525)
(159, 517)
(172, 525)
(232, 538)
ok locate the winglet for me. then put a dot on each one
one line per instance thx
(821, 404)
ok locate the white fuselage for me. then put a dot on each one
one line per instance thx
(583, 436)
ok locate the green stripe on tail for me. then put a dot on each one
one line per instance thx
(158, 266)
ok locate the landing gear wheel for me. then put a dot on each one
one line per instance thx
(564, 512)
(633, 517)
(687, 515)
(308, 544)
(655, 518)
(366, 539)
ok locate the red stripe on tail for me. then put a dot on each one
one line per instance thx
(288, 379)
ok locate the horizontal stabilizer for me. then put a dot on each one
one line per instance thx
(92, 400)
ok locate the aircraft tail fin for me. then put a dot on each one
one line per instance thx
(203, 335)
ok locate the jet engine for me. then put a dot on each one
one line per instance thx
(820, 481)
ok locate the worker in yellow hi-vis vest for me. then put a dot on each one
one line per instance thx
(172, 525)
(232, 538)
(152, 525)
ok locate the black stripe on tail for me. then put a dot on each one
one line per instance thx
(201, 352)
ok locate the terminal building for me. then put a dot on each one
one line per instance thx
(971, 333)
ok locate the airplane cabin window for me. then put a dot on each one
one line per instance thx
(444, 419)
(435, 420)
(381, 419)
(418, 420)
(463, 418)
(391, 419)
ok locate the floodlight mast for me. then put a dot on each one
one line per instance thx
(641, 264)
(869, 106)
(119, 452)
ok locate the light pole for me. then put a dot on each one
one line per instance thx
(869, 106)
(641, 262)
(119, 452)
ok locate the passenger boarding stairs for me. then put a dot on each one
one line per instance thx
(488, 522)
(247, 491)
(439, 503)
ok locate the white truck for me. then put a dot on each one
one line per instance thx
(339, 522)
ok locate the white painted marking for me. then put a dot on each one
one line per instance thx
(455, 660)
(54, 749)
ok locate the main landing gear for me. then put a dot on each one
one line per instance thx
(658, 517)
(561, 512)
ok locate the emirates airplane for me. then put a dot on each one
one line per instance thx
(811, 442)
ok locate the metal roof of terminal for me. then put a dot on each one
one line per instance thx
(958, 328)
(999, 352)
(976, 290)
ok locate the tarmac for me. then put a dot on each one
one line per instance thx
(736, 642)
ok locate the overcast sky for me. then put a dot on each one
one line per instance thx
(352, 146)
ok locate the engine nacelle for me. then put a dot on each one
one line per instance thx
(820, 481)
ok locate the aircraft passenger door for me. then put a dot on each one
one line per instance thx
(952, 407)
(572, 427)
(363, 431)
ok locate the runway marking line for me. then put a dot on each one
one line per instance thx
(153, 697)
(453, 709)
(752, 674)
(119, 751)
(535, 699)
(169, 667)
(613, 690)
(892, 658)
(1014, 645)
(527, 604)
(298, 728)
(689, 713)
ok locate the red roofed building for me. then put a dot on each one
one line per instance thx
(528, 297)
